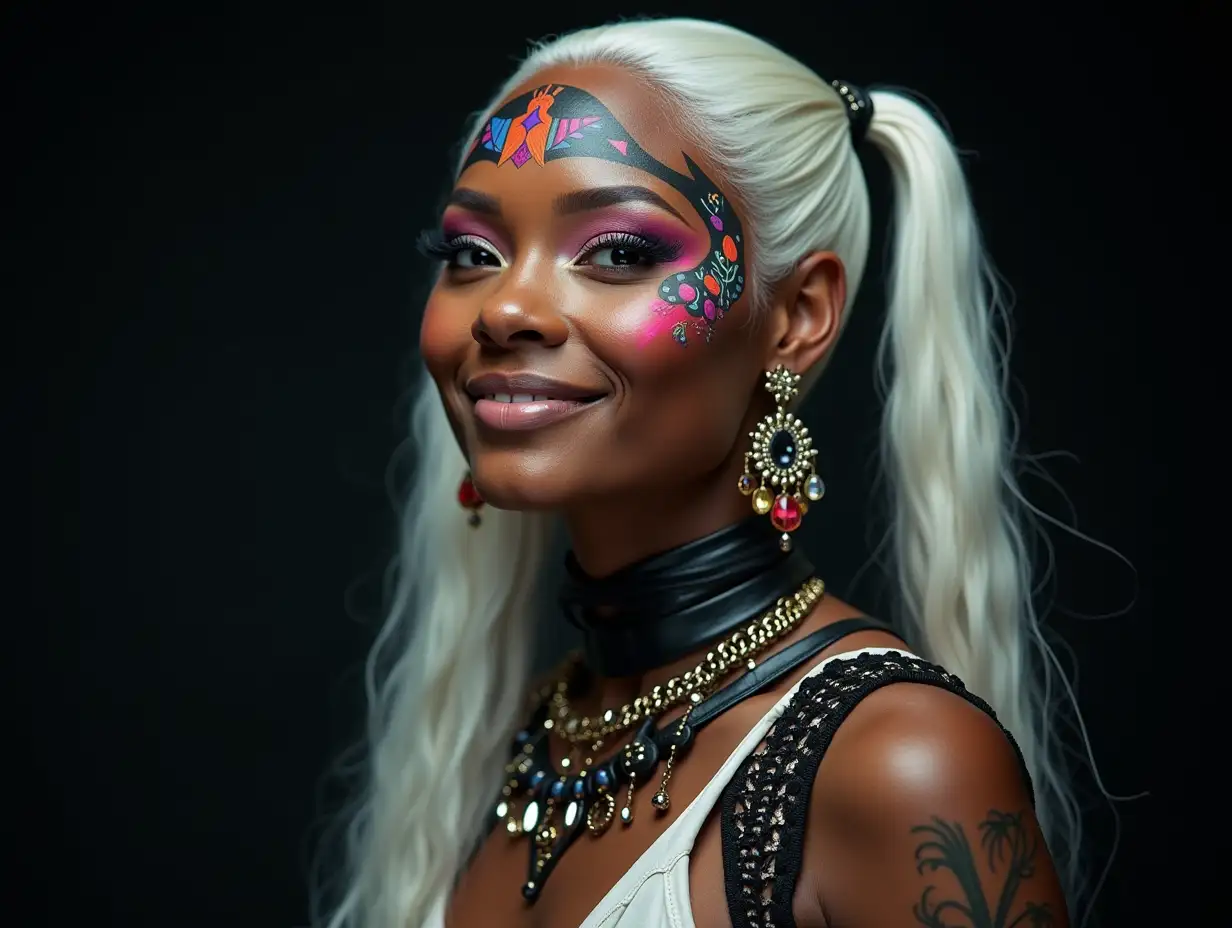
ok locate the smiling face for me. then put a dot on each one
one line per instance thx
(589, 332)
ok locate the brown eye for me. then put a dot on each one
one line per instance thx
(474, 256)
(463, 252)
(624, 251)
(619, 257)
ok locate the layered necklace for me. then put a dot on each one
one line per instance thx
(550, 807)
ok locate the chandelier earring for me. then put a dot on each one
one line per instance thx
(780, 473)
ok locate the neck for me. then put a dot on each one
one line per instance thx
(608, 535)
(649, 596)
(682, 601)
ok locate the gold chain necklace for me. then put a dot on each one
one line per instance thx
(588, 795)
(739, 649)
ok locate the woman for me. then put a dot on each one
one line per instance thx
(650, 250)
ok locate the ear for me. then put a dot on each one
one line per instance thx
(807, 312)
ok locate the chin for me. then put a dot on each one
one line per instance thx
(521, 480)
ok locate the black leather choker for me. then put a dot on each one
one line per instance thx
(661, 609)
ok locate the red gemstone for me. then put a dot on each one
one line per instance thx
(468, 496)
(786, 515)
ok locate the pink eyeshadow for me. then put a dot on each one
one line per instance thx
(455, 224)
(693, 245)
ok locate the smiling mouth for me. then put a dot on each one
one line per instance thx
(523, 412)
(533, 398)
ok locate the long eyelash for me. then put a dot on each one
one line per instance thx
(435, 244)
(432, 243)
(659, 251)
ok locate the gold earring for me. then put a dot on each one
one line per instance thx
(780, 473)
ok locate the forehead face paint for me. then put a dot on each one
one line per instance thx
(565, 122)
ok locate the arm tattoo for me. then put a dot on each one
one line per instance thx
(1010, 850)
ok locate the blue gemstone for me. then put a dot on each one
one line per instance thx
(579, 788)
(537, 778)
(522, 736)
(558, 789)
(601, 777)
(783, 449)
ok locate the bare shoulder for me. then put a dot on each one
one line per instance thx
(921, 815)
(910, 739)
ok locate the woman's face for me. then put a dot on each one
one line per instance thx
(589, 332)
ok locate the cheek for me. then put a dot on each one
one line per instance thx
(671, 324)
(443, 336)
(638, 336)
(690, 305)
(685, 404)
(653, 331)
(685, 386)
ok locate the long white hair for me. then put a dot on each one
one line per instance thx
(447, 677)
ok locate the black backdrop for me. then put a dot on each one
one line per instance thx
(220, 304)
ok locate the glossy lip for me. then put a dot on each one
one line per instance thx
(521, 417)
(490, 384)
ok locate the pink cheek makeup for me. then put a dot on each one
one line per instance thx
(667, 318)
(693, 312)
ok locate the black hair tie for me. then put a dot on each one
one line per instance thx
(859, 108)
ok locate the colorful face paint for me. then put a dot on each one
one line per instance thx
(563, 122)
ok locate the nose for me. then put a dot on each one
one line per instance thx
(518, 318)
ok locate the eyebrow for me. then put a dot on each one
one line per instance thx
(598, 197)
(474, 201)
(577, 201)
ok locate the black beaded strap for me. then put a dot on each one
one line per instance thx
(765, 805)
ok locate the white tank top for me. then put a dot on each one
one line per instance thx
(654, 892)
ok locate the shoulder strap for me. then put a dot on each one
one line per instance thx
(780, 664)
(765, 805)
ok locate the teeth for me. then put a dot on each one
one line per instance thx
(522, 398)
(516, 398)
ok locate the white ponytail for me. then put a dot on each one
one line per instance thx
(448, 675)
(959, 549)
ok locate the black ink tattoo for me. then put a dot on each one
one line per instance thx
(1010, 851)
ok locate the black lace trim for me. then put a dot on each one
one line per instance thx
(766, 804)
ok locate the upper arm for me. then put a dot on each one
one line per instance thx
(921, 816)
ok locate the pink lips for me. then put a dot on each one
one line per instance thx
(514, 417)
(520, 401)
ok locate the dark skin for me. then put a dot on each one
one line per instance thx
(653, 464)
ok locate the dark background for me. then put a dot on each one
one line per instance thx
(218, 295)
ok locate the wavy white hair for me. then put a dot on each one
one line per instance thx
(447, 675)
